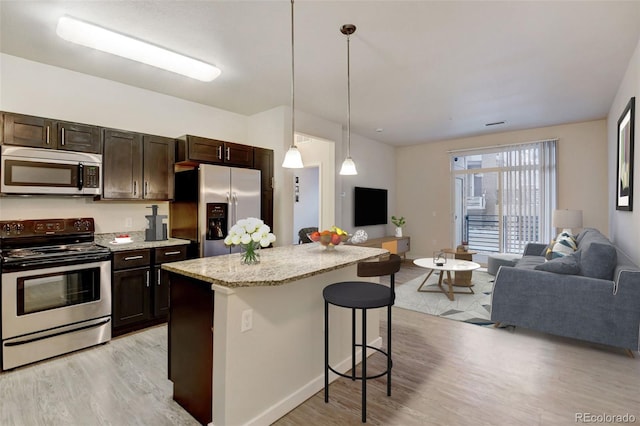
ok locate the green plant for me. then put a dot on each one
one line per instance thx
(398, 221)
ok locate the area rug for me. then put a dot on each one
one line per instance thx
(472, 308)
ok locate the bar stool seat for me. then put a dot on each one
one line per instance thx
(362, 295)
(358, 294)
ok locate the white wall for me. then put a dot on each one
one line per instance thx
(376, 169)
(37, 89)
(624, 226)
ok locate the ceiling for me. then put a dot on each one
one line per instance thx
(420, 70)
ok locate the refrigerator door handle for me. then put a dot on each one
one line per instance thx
(230, 213)
(235, 207)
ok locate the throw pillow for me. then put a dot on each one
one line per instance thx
(568, 265)
(564, 245)
(548, 248)
(598, 260)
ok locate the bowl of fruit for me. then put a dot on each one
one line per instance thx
(329, 238)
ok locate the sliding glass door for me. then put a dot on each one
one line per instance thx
(504, 196)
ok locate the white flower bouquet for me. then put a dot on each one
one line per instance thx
(250, 234)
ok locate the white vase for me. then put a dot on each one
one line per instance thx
(398, 231)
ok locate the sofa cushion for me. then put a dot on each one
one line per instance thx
(591, 235)
(598, 260)
(530, 262)
(568, 265)
(564, 245)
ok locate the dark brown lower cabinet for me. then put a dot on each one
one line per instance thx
(140, 288)
(161, 293)
(131, 302)
(191, 345)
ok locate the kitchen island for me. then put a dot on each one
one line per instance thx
(246, 342)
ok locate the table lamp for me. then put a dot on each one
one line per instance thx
(567, 219)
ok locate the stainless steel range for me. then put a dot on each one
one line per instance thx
(55, 289)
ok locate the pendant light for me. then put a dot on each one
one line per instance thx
(348, 166)
(293, 159)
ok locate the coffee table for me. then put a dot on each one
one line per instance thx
(452, 265)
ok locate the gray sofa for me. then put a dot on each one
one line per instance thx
(593, 295)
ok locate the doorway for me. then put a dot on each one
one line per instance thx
(306, 199)
(316, 205)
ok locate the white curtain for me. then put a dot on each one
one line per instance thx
(528, 193)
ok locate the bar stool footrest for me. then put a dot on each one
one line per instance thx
(349, 376)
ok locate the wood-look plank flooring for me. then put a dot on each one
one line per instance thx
(123, 382)
(445, 373)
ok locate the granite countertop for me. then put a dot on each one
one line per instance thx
(138, 242)
(278, 265)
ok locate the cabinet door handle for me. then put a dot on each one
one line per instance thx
(133, 257)
(272, 182)
(228, 153)
(135, 187)
(171, 253)
(158, 276)
(220, 152)
(62, 131)
(48, 134)
(147, 278)
(146, 188)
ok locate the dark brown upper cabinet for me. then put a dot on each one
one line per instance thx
(158, 160)
(192, 150)
(137, 167)
(38, 132)
(78, 137)
(122, 165)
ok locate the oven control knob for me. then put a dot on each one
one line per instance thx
(77, 224)
(7, 228)
(19, 227)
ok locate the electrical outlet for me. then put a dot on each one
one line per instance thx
(128, 222)
(247, 320)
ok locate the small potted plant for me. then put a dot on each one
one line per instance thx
(399, 222)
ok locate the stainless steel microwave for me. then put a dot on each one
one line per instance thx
(49, 172)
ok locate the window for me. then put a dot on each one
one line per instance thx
(504, 195)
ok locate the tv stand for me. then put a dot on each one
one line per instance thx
(395, 245)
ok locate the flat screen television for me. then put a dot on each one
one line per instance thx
(370, 206)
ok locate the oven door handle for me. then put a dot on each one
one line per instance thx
(35, 339)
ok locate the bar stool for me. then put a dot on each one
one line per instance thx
(362, 295)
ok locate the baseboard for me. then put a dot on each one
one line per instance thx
(308, 390)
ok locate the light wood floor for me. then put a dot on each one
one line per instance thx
(445, 373)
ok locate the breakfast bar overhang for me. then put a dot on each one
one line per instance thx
(246, 341)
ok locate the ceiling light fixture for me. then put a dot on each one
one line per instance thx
(99, 38)
(293, 159)
(348, 166)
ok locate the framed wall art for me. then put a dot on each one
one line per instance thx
(624, 181)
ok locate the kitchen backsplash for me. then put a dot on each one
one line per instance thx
(112, 216)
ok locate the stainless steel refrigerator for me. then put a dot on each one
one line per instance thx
(209, 200)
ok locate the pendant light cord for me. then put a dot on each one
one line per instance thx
(348, 99)
(293, 85)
